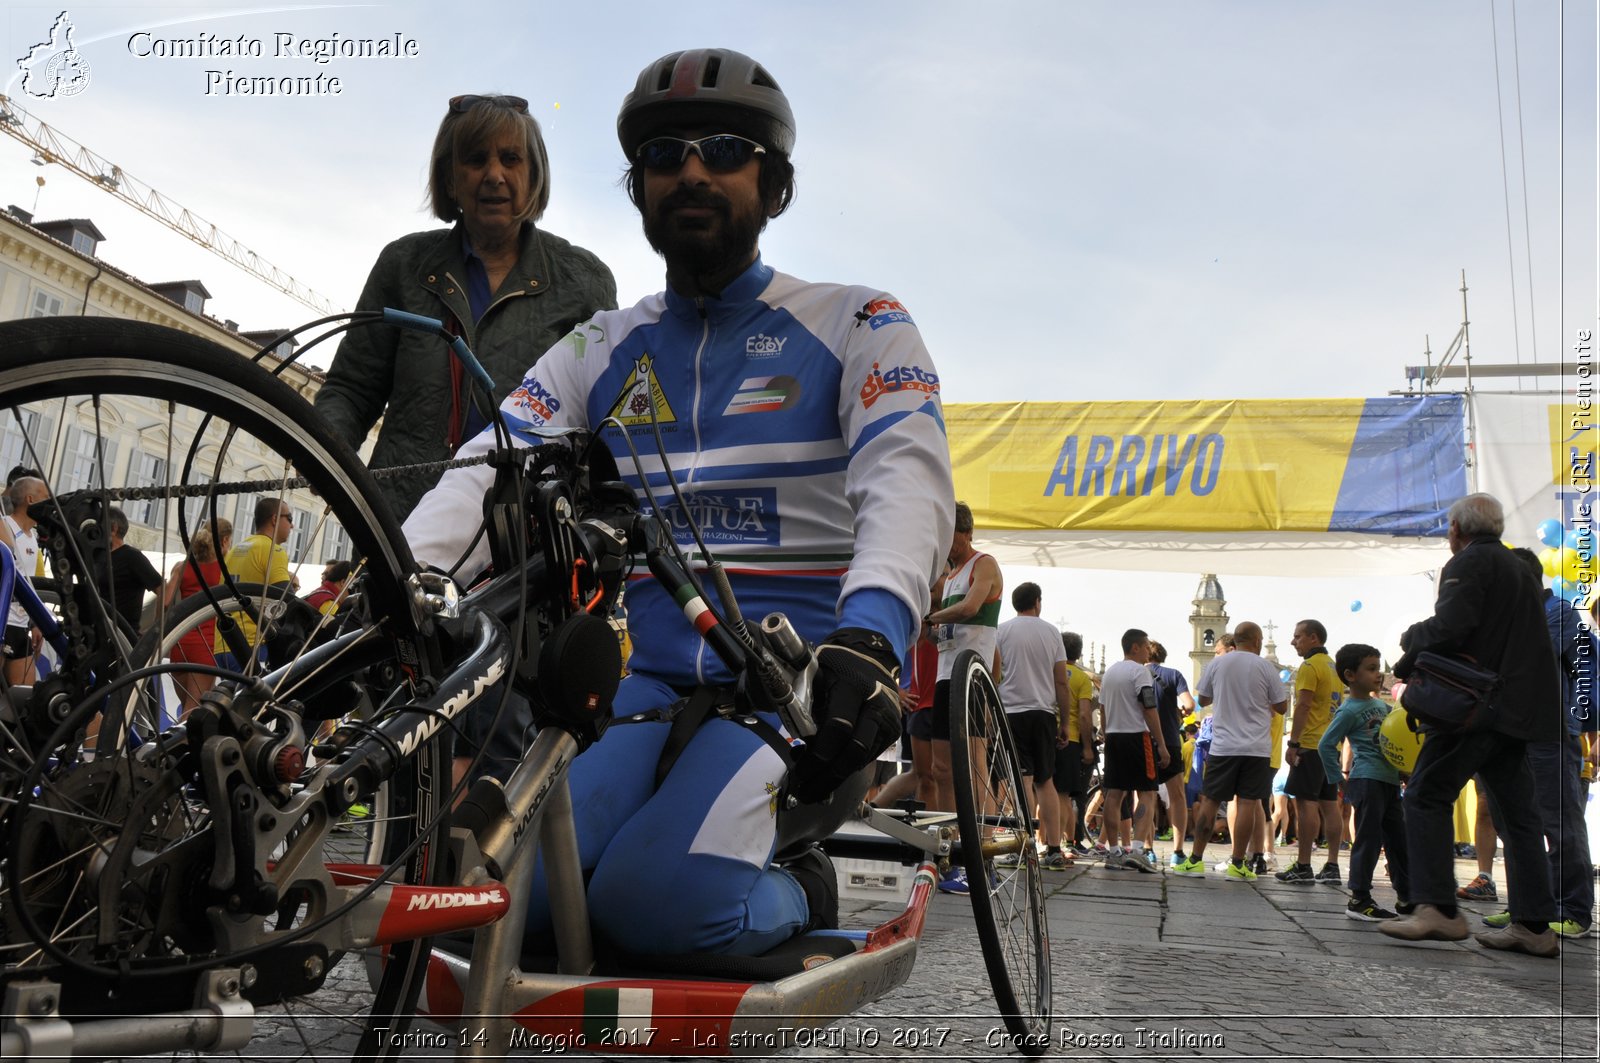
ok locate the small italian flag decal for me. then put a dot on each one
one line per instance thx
(695, 609)
(623, 1009)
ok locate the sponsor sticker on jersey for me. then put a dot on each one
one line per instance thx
(763, 346)
(534, 401)
(881, 382)
(742, 515)
(884, 311)
(764, 394)
(639, 394)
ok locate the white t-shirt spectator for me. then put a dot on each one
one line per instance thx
(1242, 687)
(1030, 649)
(1119, 696)
(26, 555)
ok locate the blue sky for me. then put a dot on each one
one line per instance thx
(1075, 200)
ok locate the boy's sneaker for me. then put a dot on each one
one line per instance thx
(1191, 866)
(1330, 875)
(1238, 873)
(1367, 910)
(1137, 861)
(1479, 889)
(1258, 864)
(1055, 861)
(1297, 873)
(1568, 928)
(955, 881)
(1499, 920)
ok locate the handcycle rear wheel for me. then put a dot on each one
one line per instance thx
(101, 382)
(992, 813)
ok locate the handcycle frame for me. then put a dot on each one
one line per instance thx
(359, 911)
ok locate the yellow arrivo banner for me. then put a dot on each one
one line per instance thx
(1225, 465)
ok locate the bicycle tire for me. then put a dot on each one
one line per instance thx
(1008, 909)
(67, 359)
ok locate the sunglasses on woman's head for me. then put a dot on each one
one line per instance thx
(463, 104)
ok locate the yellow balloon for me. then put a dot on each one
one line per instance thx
(1573, 565)
(1398, 742)
(1550, 558)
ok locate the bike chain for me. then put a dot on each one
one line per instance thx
(240, 487)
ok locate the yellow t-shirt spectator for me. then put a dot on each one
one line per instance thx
(1316, 675)
(1079, 686)
(255, 560)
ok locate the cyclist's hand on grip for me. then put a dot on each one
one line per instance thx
(856, 703)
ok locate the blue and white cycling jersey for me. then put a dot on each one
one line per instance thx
(803, 424)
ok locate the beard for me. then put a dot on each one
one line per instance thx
(702, 246)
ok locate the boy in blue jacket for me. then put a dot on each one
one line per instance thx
(1373, 785)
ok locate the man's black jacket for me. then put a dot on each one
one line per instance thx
(1490, 609)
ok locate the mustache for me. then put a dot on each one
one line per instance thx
(695, 197)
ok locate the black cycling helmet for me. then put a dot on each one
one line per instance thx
(712, 87)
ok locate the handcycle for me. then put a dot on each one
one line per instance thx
(162, 883)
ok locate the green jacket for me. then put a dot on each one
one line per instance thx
(408, 378)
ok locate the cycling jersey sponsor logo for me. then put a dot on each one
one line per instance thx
(764, 394)
(639, 393)
(747, 516)
(763, 346)
(424, 902)
(897, 378)
(884, 311)
(534, 401)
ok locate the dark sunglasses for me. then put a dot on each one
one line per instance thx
(463, 104)
(721, 152)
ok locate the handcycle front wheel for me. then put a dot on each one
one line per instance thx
(99, 402)
(994, 819)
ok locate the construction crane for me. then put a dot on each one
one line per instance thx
(51, 145)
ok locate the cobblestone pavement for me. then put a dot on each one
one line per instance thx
(1167, 967)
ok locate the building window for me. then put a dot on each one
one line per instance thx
(25, 439)
(192, 300)
(335, 543)
(82, 243)
(45, 305)
(197, 508)
(86, 462)
(146, 470)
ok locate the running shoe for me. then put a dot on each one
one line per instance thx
(1238, 873)
(1080, 849)
(1466, 851)
(1055, 861)
(1178, 857)
(1191, 866)
(1151, 858)
(955, 881)
(1499, 920)
(1366, 909)
(1137, 861)
(1116, 860)
(1297, 873)
(1568, 928)
(1165, 836)
(1008, 860)
(1258, 864)
(1330, 875)
(1404, 907)
(1479, 889)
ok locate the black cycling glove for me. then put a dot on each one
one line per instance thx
(856, 702)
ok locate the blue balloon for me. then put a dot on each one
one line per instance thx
(1551, 532)
(1285, 674)
(1355, 606)
(1580, 540)
(1562, 587)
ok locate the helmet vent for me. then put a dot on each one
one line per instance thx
(664, 77)
(708, 79)
(759, 76)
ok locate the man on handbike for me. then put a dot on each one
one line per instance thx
(803, 423)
